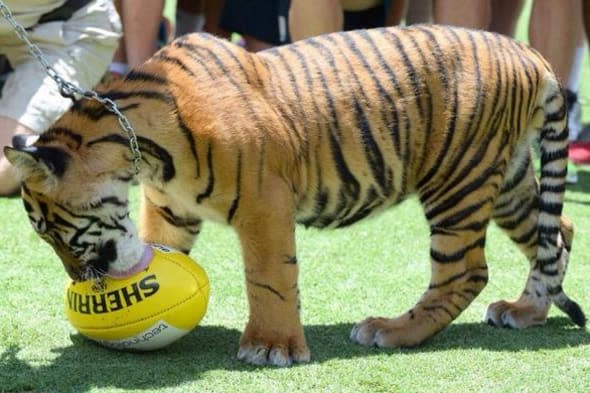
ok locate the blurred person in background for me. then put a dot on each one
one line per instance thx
(77, 38)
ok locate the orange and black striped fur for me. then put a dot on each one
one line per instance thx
(323, 132)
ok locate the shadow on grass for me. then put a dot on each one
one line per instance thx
(332, 342)
(557, 333)
(583, 185)
(85, 366)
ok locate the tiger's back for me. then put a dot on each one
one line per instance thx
(358, 120)
(326, 132)
(378, 114)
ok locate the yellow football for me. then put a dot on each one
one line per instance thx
(146, 311)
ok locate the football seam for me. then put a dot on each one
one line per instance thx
(199, 292)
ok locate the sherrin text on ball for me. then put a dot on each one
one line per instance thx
(148, 310)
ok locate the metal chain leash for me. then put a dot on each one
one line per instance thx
(69, 90)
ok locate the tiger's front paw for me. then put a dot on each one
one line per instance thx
(277, 351)
(518, 315)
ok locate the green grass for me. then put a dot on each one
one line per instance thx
(377, 267)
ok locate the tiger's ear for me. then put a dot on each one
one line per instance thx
(38, 163)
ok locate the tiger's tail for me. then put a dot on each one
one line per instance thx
(552, 248)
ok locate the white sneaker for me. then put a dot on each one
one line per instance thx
(572, 174)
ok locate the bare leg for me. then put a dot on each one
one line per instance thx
(505, 14)
(586, 5)
(466, 13)
(308, 18)
(396, 12)
(8, 181)
(419, 11)
(120, 55)
(192, 6)
(573, 82)
(141, 20)
(559, 45)
(213, 10)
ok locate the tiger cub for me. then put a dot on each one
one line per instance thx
(323, 132)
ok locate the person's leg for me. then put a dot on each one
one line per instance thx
(474, 14)
(308, 18)
(419, 11)
(558, 44)
(213, 10)
(396, 12)
(9, 183)
(141, 21)
(192, 6)
(573, 82)
(579, 151)
(586, 5)
(118, 66)
(505, 14)
(30, 100)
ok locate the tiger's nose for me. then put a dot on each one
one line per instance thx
(106, 253)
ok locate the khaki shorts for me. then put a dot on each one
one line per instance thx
(79, 49)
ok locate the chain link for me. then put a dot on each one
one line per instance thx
(69, 90)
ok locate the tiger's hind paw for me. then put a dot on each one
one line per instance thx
(387, 333)
(517, 315)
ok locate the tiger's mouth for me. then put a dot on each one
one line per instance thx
(91, 267)
(142, 264)
(104, 264)
(98, 266)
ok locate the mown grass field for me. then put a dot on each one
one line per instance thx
(378, 267)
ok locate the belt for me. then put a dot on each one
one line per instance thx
(64, 12)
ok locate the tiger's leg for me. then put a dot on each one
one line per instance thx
(458, 274)
(266, 228)
(532, 216)
(516, 212)
(159, 223)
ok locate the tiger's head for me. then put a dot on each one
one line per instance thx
(76, 200)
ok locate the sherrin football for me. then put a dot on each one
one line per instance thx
(143, 312)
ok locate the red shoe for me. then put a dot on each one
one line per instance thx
(579, 153)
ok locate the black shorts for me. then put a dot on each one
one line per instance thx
(266, 20)
(365, 19)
